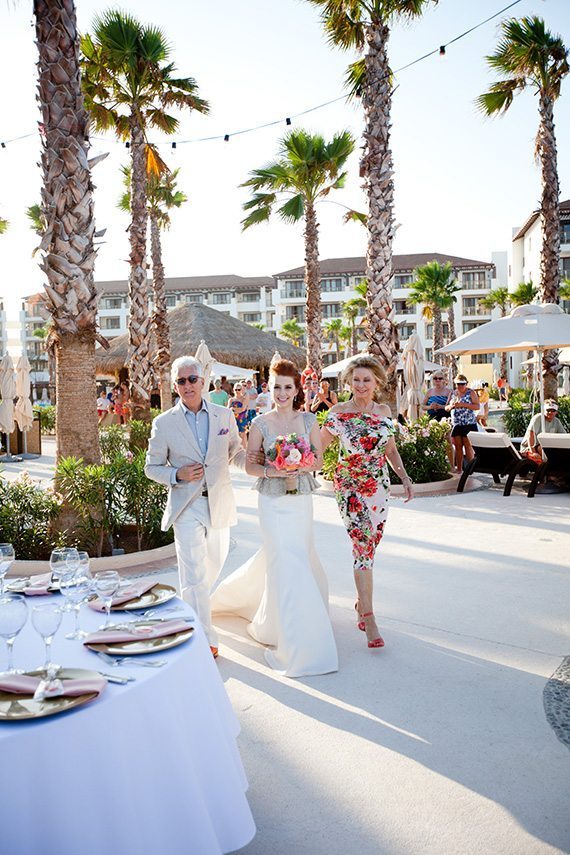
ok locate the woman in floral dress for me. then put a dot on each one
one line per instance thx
(366, 433)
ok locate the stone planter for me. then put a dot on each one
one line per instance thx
(133, 564)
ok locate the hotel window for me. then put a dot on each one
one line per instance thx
(403, 280)
(565, 233)
(406, 330)
(198, 298)
(481, 358)
(268, 297)
(251, 317)
(402, 308)
(445, 328)
(219, 299)
(328, 285)
(471, 325)
(474, 280)
(331, 310)
(110, 323)
(294, 289)
(295, 312)
(171, 301)
(473, 306)
(112, 302)
(249, 297)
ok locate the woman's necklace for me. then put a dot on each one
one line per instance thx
(364, 410)
(285, 420)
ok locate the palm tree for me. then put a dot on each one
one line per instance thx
(332, 331)
(292, 330)
(365, 25)
(3, 225)
(524, 294)
(345, 335)
(68, 255)
(351, 310)
(498, 298)
(434, 288)
(450, 289)
(161, 196)
(529, 55)
(258, 325)
(129, 86)
(307, 169)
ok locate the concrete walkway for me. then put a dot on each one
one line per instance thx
(439, 744)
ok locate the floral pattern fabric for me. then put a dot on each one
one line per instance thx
(361, 479)
(241, 413)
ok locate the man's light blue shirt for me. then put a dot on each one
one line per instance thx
(199, 424)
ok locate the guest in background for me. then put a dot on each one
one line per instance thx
(125, 401)
(251, 398)
(311, 393)
(436, 396)
(239, 406)
(227, 386)
(263, 403)
(324, 399)
(218, 395)
(103, 405)
(463, 405)
(483, 395)
(529, 446)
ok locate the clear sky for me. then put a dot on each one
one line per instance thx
(462, 182)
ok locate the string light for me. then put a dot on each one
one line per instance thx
(441, 50)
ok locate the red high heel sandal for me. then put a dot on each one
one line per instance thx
(377, 642)
(360, 624)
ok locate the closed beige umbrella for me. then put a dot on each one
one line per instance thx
(413, 359)
(23, 412)
(206, 360)
(7, 393)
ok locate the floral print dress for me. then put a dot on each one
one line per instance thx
(361, 479)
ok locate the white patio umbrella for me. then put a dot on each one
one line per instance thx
(23, 412)
(541, 327)
(338, 367)
(7, 393)
(413, 359)
(206, 360)
(232, 372)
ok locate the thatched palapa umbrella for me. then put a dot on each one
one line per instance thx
(229, 340)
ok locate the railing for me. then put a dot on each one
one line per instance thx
(478, 285)
(293, 294)
(470, 311)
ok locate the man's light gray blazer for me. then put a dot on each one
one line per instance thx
(172, 444)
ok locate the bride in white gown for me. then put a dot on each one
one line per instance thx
(282, 590)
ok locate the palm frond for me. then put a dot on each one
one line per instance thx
(3, 225)
(355, 78)
(355, 217)
(260, 215)
(293, 209)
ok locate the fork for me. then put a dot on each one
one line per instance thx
(130, 660)
(157, 610)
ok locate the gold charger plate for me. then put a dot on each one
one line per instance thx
(156, 596)
(144, 645)
(18, 587)
(16, 707)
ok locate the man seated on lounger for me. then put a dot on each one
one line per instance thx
(552, 424)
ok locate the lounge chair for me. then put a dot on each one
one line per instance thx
(556, 447)
(496, 455)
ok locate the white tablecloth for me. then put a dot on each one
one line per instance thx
(148, 768)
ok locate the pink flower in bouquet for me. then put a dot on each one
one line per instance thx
(291, 452)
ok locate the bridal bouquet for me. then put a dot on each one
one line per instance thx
(289, 453)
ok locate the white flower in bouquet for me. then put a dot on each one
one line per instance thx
(294, 457)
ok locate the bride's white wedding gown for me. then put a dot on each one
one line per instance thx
(283, 589)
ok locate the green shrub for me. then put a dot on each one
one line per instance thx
(423, 449)
(113, 441)
(518, 397)
(139, 435)
(143, 500)
(26, 514)
(47, 418)
(517, 417)
(154, 412)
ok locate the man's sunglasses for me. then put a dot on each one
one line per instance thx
(183, 380)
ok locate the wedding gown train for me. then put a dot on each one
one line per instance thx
(282, 590)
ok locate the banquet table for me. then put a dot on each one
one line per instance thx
(148, 767)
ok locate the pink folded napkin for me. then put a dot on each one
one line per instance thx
(23, 684)
(137, 589)
(137, 633)
(38, 585)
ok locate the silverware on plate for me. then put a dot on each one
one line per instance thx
(114, 678)
(130, 660)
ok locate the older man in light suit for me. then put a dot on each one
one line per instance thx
(190, 449)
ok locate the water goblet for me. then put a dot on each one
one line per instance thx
(46, 619)
(77, 589)
(106, 585)
(13, 616)
(7, 556)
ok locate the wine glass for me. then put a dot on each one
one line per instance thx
(7, 556)
(46, 619)
(64, 561)
(77, 588)
(13, 616)
(106, 585)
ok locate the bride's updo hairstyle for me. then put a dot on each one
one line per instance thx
(285, 368)
(373, 366)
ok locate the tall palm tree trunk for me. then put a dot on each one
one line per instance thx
(313, 288)
(163, 358)
(377, 169)
(550, 213)
(67, 244)
(437, 335)
(139, 319)
(451, 324)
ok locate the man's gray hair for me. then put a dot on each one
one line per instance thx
(186, 362)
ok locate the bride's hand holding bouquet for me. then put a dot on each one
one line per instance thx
(288, 456)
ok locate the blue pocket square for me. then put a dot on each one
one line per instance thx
(223, 431)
